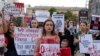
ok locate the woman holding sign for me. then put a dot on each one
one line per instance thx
(3, 40)
(83, 32)
(11, 46)
(48, 43)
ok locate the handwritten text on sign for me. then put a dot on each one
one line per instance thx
(49, 49)
(25, 40)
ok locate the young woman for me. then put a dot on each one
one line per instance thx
(11, 46)
(83, 31)
(34, 24)
(48, 36)
(3, 29)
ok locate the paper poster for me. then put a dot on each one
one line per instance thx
(96, 48)
(14, 9)
(25, 39)
(42, 15)
(49, 49)
(85, 43)
(95, 22)
(59, 22)
(2, 40)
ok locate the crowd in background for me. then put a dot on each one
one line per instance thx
(66, 39)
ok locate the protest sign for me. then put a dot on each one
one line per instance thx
(2, 40)
(85, 43)
(59, 22)
(95, 22)
(96, 49)
(50, 49)
(41, 15)
(24, 39)
(15, 9)
(65, 52)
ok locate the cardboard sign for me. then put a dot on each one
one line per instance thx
(25, 39)
(49, 49)
(65, 52)
(2, 40)
(59, 22)
(85, 43)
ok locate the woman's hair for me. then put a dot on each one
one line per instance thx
(44, 31)
(84, 23)
(64, 40)
(31, 23)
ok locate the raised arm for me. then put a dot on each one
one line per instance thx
(4, 22)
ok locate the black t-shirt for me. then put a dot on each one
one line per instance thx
(11, 45)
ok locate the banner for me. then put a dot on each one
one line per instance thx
(95, 22)
(59, 22)
(2, 40)
(85, 43)
(41, 15)
(24, 39)
(96, 48)
(50, 49)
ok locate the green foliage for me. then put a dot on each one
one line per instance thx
(69, 15)
(51, 10)
(17, 21)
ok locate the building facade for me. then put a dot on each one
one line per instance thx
(74, 10)
(94, 7)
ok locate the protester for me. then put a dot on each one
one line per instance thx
(48, 36)
(83, 31)
(3, 29)
(72, 28)
(10, 35)
(65, 49)
(64, 43)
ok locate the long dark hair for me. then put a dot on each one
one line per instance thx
(84, 23)
(44, 31)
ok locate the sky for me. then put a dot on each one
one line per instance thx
(59, 3)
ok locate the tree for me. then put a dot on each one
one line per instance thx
(68, 14)
(51, 10)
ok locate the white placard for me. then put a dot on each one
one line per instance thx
(2, 40)
(41, 15)
(13, 9)
(49, 49)
(96, 48)
(59, 22)
(24, 39)
(85, 43)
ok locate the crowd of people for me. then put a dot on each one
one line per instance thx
(67, 39)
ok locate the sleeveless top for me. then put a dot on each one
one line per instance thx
(54, 40)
